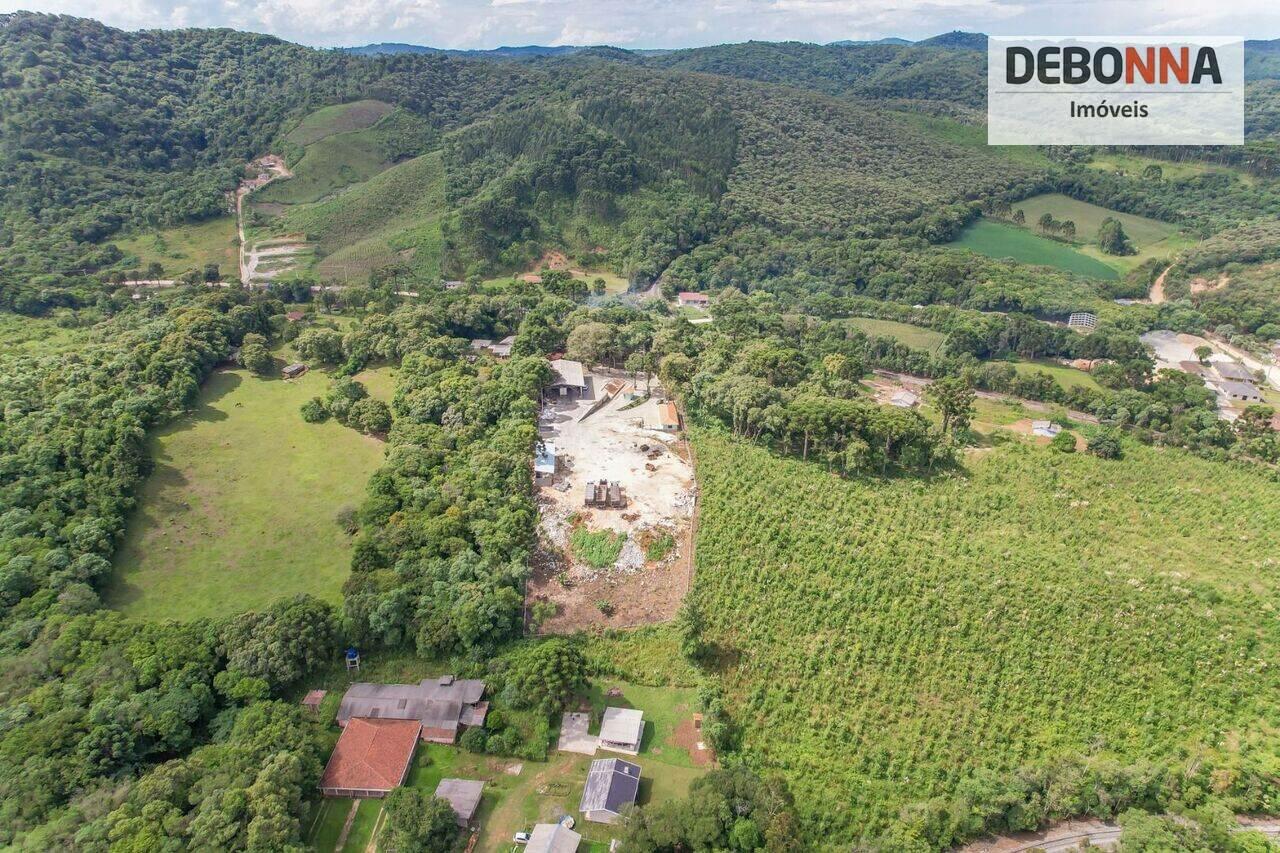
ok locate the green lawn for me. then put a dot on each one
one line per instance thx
(1001, 240)
(1067, 377)
(379, 381)
(916, 337)
(1151, 238)
(241, 508)
(184, 247)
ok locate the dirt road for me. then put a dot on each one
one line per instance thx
(271, 167)
(1071, 834)
(1156, 296)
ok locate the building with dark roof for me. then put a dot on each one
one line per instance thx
(442, 705)
(612, 784)
(371, 758)
(1233, 370)
(464, 795)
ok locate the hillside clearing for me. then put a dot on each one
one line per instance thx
(1001, 240)
(1036, 607)
(242, 506)
(340, 118)
(916, 337)
(184, 248)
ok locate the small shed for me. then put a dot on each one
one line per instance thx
(668, 417)
(905, 399)
(464, 795)
(313, 699)
(569, 379)
(544, 462)
(1045, 429)
(293, 371)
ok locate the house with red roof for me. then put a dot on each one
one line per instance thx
(371, 758)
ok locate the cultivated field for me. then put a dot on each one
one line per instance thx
(1042, 604)
(339, 118)
(1001, 240)
(242, 507)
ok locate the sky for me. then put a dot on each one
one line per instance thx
(669, 23)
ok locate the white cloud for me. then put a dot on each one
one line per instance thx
(667, 23)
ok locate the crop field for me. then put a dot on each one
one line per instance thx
(184, 247)
(394, 216)
(1040, 605)
(916, 337)
(242, 506)
(1151, 238)
(330, 165)
(1001, 240)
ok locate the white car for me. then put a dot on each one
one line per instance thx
(521, 838)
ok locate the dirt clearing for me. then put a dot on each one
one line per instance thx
(613, 565)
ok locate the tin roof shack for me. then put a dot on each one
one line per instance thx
(552, 838)
(1045, 429)
(502, 349)
(464, 795)
(293, 371)
(442, 705)
(544, 463)
(371, 758)
(612, 785)
(622, 729)
(905, 399)
(569, 379)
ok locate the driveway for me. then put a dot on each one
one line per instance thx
(574, 737)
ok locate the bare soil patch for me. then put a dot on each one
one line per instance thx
(688, 736)
(651, 573)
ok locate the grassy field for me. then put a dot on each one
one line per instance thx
(340, 118)
(22, 335)
(184, 247)
(329, 165)
(1001, 240)
(1151, 238)
(1042, 604)
(1133, 166)
(394, 217)
(916, 337)
(1067, 377)
(241, 508)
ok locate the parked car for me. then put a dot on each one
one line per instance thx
(521, 838)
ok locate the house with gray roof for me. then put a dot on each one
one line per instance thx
(443, 705)
(621, 730)
(1243, 391)
(552, 838)
(464, 795)
(612, 784)
(569, 379)
(1233, 370)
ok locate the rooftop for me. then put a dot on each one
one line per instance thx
(552, 838)
(622, 725)
(463, 795)
(567, 372)
(436, 702)
(371, 755)
(1237, 389)
(1233, 370)
(611, 784)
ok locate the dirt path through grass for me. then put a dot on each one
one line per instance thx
(1156, 296)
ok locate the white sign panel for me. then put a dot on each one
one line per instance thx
(1115, 90)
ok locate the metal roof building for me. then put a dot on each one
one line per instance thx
(442, 705)
(552, 838)
(611, 785)
(464, 795)
(621, 729)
